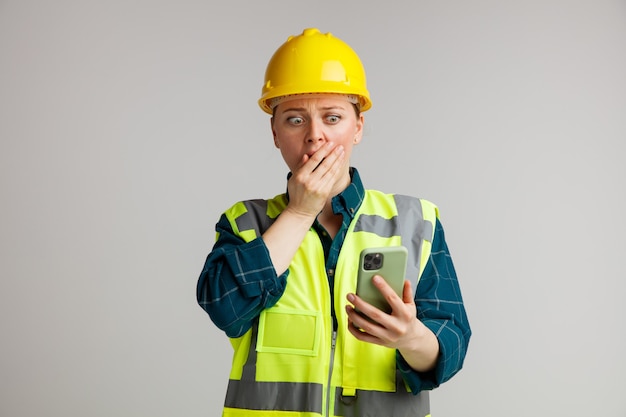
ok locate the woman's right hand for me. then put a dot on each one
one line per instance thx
(310, 187)
(312, 183)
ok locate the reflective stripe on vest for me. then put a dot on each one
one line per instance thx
(375, 403)
(410, 224)
(402, 219)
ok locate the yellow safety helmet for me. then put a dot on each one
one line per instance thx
(312, 63)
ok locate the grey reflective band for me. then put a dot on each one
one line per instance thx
(374, 223)
(256, 218)
(409, 224)
(401, 403)
(307, 397)
(249, 368)
(274, 396)
(413, 230)
(376, 403)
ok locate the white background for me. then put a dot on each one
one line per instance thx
(127, 127)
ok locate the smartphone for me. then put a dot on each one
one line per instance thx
(388, 262)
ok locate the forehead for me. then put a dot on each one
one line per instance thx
(315, 102)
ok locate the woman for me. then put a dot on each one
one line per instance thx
(281, 278)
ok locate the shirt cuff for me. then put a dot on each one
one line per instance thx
(255, 271)
(416, 381)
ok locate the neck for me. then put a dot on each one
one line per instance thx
(330, 220)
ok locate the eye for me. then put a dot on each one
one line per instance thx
(296, 120)
(333, 118)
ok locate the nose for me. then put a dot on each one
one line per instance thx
(315, 132)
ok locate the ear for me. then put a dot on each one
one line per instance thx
(358, 134)
(274, 133)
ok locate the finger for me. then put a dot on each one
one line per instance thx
(362, 326)
(320, 155)
(407, 293)
(330, 161)
(395, 302)
(384, 288)
(356, 331)
(334, 161)
(363, 308)
(363, 336)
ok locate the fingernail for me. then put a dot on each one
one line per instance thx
(350, 298)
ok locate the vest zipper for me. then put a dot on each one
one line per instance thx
(329, 395)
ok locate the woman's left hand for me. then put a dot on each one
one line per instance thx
(400, 329)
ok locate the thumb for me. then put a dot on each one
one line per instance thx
(407, 292)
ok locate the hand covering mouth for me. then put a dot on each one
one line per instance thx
(318, 165)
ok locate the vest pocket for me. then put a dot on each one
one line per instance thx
(283, 330)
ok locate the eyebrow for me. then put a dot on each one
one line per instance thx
(300, 109)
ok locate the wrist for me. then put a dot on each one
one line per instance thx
(422, 350)
(305, 216)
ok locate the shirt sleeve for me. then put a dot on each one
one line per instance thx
(440, 307)
(238, 281)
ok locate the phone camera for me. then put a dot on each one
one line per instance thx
(373, 261)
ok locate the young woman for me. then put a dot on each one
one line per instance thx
(281, 277)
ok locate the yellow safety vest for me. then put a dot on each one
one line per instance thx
(291, 363)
